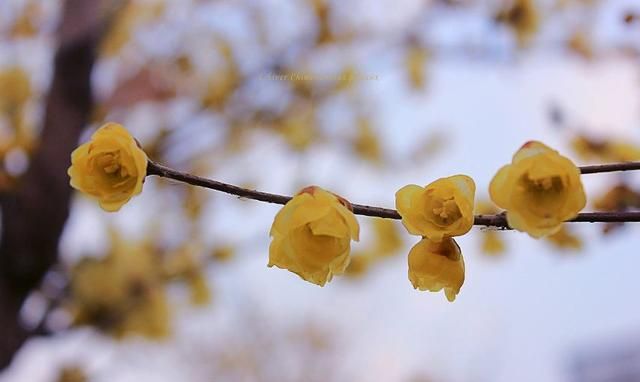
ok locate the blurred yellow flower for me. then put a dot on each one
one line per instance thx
(130, 17)
(443, 208)
(223, 81)
(523, 18)
(620, 197)
(346, 79)
(27, 22)
(624, 151)
(581, 44)
(387, 237)
(72, 374)
(199, 289)
(434, 266)
(183, 264)
(359, 265)
(110, 168)
(366, 143)
(15, 89)
(298, 126)
(565, 239)
(322, 10)
(492, 243)
(312, 235)
(223, 253)
(540, 189)
(15, 94)
(415, 65)
(121, 294)
(605, 150)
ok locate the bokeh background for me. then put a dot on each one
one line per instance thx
(360, 97)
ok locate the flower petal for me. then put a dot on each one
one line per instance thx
(498, 188)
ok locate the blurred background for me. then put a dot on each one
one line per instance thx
(360, 97)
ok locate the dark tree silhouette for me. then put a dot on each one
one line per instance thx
(34, 212)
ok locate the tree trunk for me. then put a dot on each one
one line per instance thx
(35, 212)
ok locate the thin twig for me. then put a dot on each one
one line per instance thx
(166, 172)
(498, 221)
(624, 166)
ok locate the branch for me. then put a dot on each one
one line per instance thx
(611, 167)
(499, 220)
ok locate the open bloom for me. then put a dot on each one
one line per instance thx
(435, 266)
(110, 167)
(443, 208)
(312, 235)
(539, 189)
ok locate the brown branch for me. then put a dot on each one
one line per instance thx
(611, 167)
(498, 221)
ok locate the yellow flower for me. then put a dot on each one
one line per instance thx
(388, 240)
(110, 168)
(298, 126)
(618, 198)
(128, 18)
(346, 78)
(605, 150)
(223, 253)
(435, 266)
(199, 290)
(184, 265)
(492, 243)
(581, 44)
(443, 208)
(15, 88)
(26, 24)
(523, 18)
(359, 265)
(322, 10)
(415, 62)
(540, 189)
(366, 143)
(565, 239)
(121, 294)
(312, 235)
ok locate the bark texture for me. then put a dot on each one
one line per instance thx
(34, 213)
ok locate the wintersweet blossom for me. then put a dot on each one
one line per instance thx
(443, 208)
(540, 189)
(110, 168)
(435, 266)
(312, 235)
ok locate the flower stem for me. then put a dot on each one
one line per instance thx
(498, 220)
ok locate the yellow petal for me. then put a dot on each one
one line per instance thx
(331, 224)
(291, 216)
(443, 208)
(406, 205)
(350, 219)
(530, 149)
(465, 185)
(499, 191)
(110, 168)
(540, 190)
(312, 236)
(520, 223)
(436, 266)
